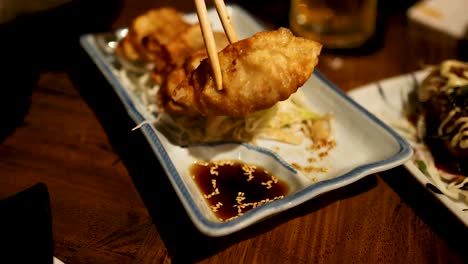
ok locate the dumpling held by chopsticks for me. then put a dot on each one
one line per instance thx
(257, 73)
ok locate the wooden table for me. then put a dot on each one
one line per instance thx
(112, 203)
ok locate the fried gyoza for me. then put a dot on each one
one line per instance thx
(182, 47)
(257, 73)
(161, 37)
(150, 32)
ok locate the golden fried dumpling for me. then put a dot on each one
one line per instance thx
(257, 73)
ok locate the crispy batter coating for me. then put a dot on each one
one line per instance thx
(257, 73)
(151, 31)
(190, 41)
(161, 37)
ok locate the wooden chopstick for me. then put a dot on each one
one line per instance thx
(208, 37)
(210, 44)
(226, 21)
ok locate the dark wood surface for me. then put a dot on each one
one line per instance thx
(111, 201)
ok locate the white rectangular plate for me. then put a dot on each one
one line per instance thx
(364, 145)
(387, 103)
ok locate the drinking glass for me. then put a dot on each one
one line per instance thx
(334, 23)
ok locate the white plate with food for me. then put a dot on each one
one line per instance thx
(406, 103)
(316, 141)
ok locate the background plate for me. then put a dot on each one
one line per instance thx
(387, 102)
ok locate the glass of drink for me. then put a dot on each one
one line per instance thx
(337, 24)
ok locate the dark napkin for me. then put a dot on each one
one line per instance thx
(26, 227)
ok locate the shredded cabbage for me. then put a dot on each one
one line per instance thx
(424, 160)
(289, 121)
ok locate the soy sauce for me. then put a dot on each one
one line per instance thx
(232, 188)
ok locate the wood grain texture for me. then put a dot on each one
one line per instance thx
(112, 203)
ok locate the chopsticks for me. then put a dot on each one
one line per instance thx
(226, 21)
(208, 37)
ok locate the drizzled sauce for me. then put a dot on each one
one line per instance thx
(232, 188)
